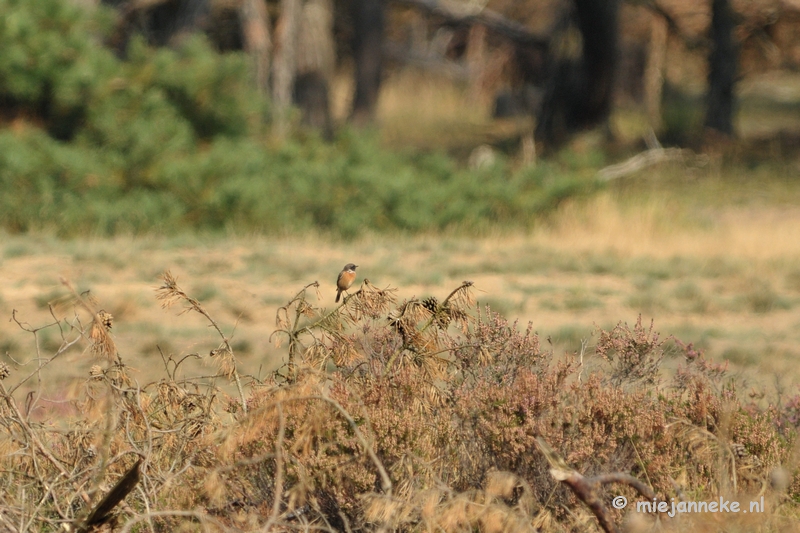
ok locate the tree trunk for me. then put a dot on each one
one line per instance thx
(476, 61)
(654, 71)
(285, 63)
(257, 43)
(578, 94)
(316, 61)
(368, 30)
(722, 68)
(598, 22)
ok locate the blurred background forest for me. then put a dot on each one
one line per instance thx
(161, 115)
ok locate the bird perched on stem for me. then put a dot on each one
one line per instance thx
(345, 279)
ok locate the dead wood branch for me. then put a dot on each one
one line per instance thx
(124, 486)
(646, 159)
(586, 489)
(492, 20)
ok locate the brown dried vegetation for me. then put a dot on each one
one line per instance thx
(417, 416)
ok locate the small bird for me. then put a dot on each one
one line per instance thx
(345, 279)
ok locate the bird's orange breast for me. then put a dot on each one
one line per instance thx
(345, 280)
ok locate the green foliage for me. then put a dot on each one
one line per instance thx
(171, 139)
(51, 62)
(162, 182)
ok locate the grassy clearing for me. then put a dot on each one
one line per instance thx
(716, 272)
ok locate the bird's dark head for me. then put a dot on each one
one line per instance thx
(350, 266)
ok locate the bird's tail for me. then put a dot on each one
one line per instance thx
(338, 296)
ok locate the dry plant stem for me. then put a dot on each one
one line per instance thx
(105, 447)
(713, 437)
(35, 439)
(464, 285)
(203, 518)
(63, 348)
(169, 292)
(295, 333)
(584, 344)
(276, 502)
(292, 332)
(229, 349)
(641, 464)
(386, 482)
(8, 524)
(319, 323)
(35, 513)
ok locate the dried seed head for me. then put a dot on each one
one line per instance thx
(169, 293)
(96, 371)
(4, 371)
(431, 304)
(224, 359)
(305, 309)
(445, 315)
(105, 318)
(102, 345)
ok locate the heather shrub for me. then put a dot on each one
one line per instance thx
(419, 415)
(451, 397)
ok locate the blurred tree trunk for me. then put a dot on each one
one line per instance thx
(476, 60)
(722, 68)
(316, 60)
(285, 63)
(579, 93)
(368, 29)
(654, 71)
(256, 37)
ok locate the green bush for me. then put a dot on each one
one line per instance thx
(172, 139)
(51, 63)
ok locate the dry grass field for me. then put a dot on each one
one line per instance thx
(725, 276)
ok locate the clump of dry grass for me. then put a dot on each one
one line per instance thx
(413, 416)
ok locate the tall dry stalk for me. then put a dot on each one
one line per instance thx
(169, 293)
